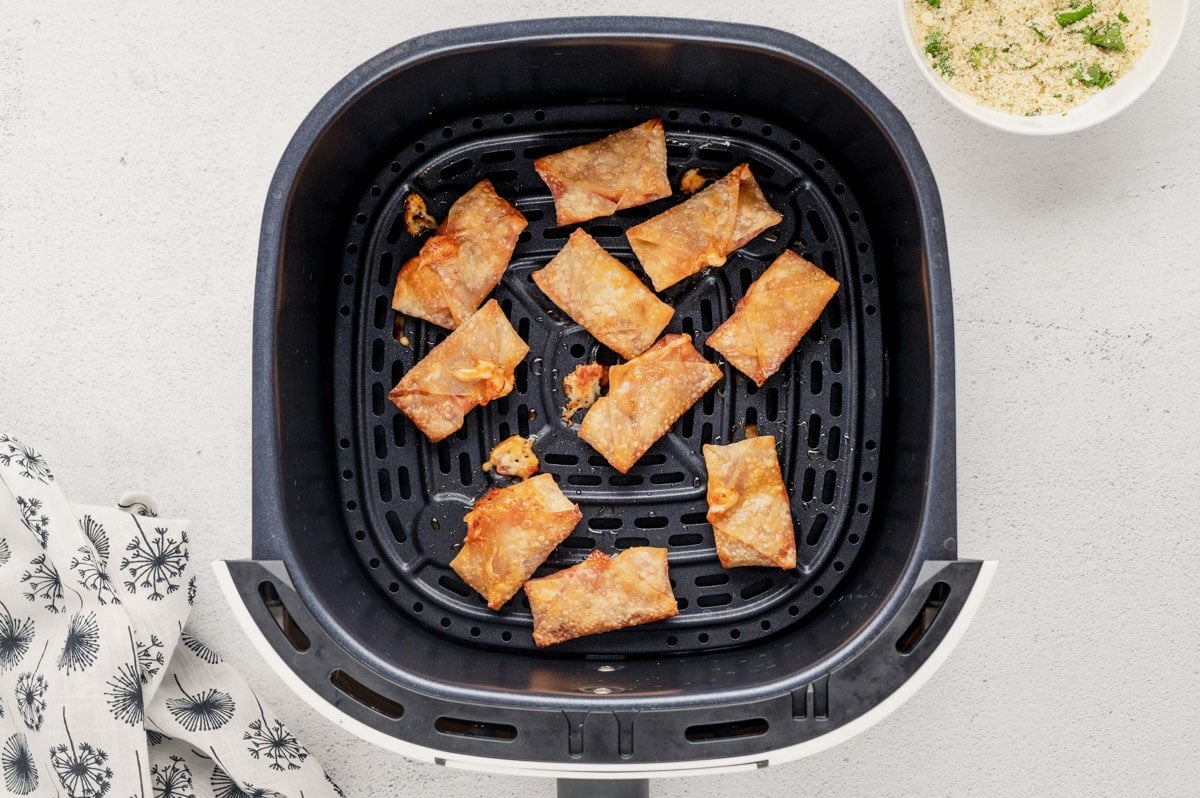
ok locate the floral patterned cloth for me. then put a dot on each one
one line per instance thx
(102, 691)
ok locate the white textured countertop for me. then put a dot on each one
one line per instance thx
(136, 146)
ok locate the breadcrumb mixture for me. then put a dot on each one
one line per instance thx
(1032, 57)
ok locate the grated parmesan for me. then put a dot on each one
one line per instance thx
(1031, 57)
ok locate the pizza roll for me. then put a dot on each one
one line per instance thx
(473, 366)
(599, 293)
(510, 532)
(703, 230)
(461, 263)
(645, 397)
(777, 310)
(626, 169)
(748, 505)
(600, 594)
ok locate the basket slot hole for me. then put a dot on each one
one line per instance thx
(534, 215)
(819, 231)
(377, 355)
(687, 424)
(835, 356)
(669, 478)
(714, 600)
(396, 230)
(714, 154)
(393, 522)
(385, 269)
(688, 326)
(833, 316)
(500, 176)
(751, 421)
(745, 277)
(756, 588)
(377, 399)
(688, 519)
(456, 586)
(685, 539)
(523, 420)
(385, 485)
(397, 371)
(651, 522)
(835, 399)
(399, 433)
(604, 523)
(498, 156)
(443, 458)
(706, 433)
(597, 461)
(465, 472)
(556, 233)
(709, 402)
(380, 435)
(814, 431)
(814, 376)
(502, 428)
(457, 168)
(827, 487)
(606, 231)
(924, 619)
(834, 450)
(590, 480)
(817, 529)
(404, 483)
(580, 543)
(680, 152)
(654, 459)
(521, 375)
(628, 543)
(809, 484)
(626, 480)
(365, 695)
(557, 458)
(772, 403)
(381, 309)
(708, 580)
(283, 619)
(706, 314)
(476, 729)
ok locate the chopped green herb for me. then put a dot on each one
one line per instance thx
(1121, 16)
(1095, 76)
(980, 54)
(1071, 17)
(1034, 112)
(938, 53)
(934, 3)
(1108, 37)
(1038, 31)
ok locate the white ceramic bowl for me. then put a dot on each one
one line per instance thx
(1166, 27)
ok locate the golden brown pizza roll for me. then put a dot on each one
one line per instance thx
(703, 230)
(777, 310)
(461, 263)
(473, 366)
(510, 532)
(626, 169)
(645, 397)
(600, 594)
(748, 504)
(599, 293)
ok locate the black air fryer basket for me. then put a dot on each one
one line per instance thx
(356, 514)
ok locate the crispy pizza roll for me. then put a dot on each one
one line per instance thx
(645, 397)
(777, 310)
(473, 366)
(748, 504)
(510, 532)
(626, 169)
(461, 263)
(599, 293)
(703, 230)
(600, 594)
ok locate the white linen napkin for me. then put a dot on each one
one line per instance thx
(102, 691)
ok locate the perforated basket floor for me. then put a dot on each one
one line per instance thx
(404, 499)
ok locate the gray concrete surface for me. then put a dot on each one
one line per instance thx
(136, 144)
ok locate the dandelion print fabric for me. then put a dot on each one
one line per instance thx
(102, 692)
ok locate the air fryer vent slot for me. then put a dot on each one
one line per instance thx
(727, 730)
(365, 695)
(283, 619)
(482, 730)
(408, 497)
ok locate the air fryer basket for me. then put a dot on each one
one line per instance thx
(356, 515)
